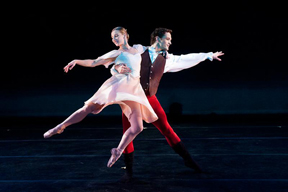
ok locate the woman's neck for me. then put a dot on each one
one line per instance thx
(124, 47)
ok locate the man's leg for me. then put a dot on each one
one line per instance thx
(162, 123)
(172, 138)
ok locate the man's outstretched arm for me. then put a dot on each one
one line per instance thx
(176, 63)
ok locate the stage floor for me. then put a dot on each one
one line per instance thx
(248, 158)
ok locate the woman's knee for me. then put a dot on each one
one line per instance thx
(136, 128)
(89, 108)
(140, 128)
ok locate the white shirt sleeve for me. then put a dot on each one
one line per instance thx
(111, 54)
(176, 63)
(140, 48)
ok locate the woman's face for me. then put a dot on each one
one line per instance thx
(117, 38)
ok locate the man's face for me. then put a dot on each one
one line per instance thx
(165, 41)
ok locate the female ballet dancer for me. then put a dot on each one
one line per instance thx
(123, 89)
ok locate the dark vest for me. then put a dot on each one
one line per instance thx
(151, 74)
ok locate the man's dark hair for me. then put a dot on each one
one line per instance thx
(160, 32)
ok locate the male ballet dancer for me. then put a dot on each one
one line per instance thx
(155, 62)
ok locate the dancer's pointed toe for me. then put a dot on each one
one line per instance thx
(54, 131)
(115, 155)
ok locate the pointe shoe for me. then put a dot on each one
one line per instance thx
(54, 131)
(115, 155)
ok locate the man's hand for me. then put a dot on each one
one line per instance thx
(122, 68)
(217, 54)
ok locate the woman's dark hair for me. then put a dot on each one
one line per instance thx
(160, 32)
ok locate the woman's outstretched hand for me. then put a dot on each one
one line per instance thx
(69, 66)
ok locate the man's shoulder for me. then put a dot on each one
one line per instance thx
(140, 48)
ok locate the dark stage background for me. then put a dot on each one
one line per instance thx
(42, 38)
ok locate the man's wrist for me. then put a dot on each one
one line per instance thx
(210, 56)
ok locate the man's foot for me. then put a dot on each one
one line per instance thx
(188, 160)
(193, 165)
(128, 160)
(57, 130)
(126, 178)
(115, 155)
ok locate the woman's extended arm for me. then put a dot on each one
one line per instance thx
(88, 63)
(105, 60)
(85, 63)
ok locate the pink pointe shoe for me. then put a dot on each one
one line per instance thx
(54, 131)
(115, 155)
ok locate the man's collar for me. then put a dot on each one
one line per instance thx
(153, 50)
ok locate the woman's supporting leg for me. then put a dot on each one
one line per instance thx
(126, 126)
(136, 127)
(76, 117)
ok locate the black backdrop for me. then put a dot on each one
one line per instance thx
(43, 38)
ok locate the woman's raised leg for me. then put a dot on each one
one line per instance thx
(76, 117)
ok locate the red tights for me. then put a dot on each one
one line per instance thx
(161, 124)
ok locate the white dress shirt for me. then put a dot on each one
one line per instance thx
(174, 63)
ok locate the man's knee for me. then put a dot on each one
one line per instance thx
(165, 129)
